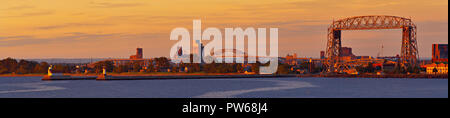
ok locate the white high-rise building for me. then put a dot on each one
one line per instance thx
(197, 51)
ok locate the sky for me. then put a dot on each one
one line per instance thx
(114, 28)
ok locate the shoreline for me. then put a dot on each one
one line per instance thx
(410, 76)
(233, 75)
(128, 74)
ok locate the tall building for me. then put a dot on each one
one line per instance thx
(346, 51)
(180, 52)
(346, 54)
(440, 53)
(198, 51)
(139, 54)
(322, 54)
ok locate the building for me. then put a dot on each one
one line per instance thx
(291, 59)
(322, 54)
(364, 57)
(139, 54)
(440, 53)
(346, 51)
(137, 58)
(346, 54)
(197, 51)
(436, 68)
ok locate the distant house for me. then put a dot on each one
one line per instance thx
(436, 68)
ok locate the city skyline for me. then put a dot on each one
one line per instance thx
(103, 29)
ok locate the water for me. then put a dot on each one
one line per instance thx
(33, 87)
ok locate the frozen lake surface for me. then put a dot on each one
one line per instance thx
(33, 87)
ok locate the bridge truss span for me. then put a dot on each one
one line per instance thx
(409, 50)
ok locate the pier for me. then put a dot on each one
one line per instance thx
(68, 77)
(109, 77)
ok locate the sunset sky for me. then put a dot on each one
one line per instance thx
(114, 28)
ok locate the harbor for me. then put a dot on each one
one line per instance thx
(224, 76)
(106, 77)
(280, 87)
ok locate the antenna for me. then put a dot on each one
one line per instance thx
(382, 50)
(380, 53)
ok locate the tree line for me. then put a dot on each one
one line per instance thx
(13, 66)
(10, 65)
(161, 64)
